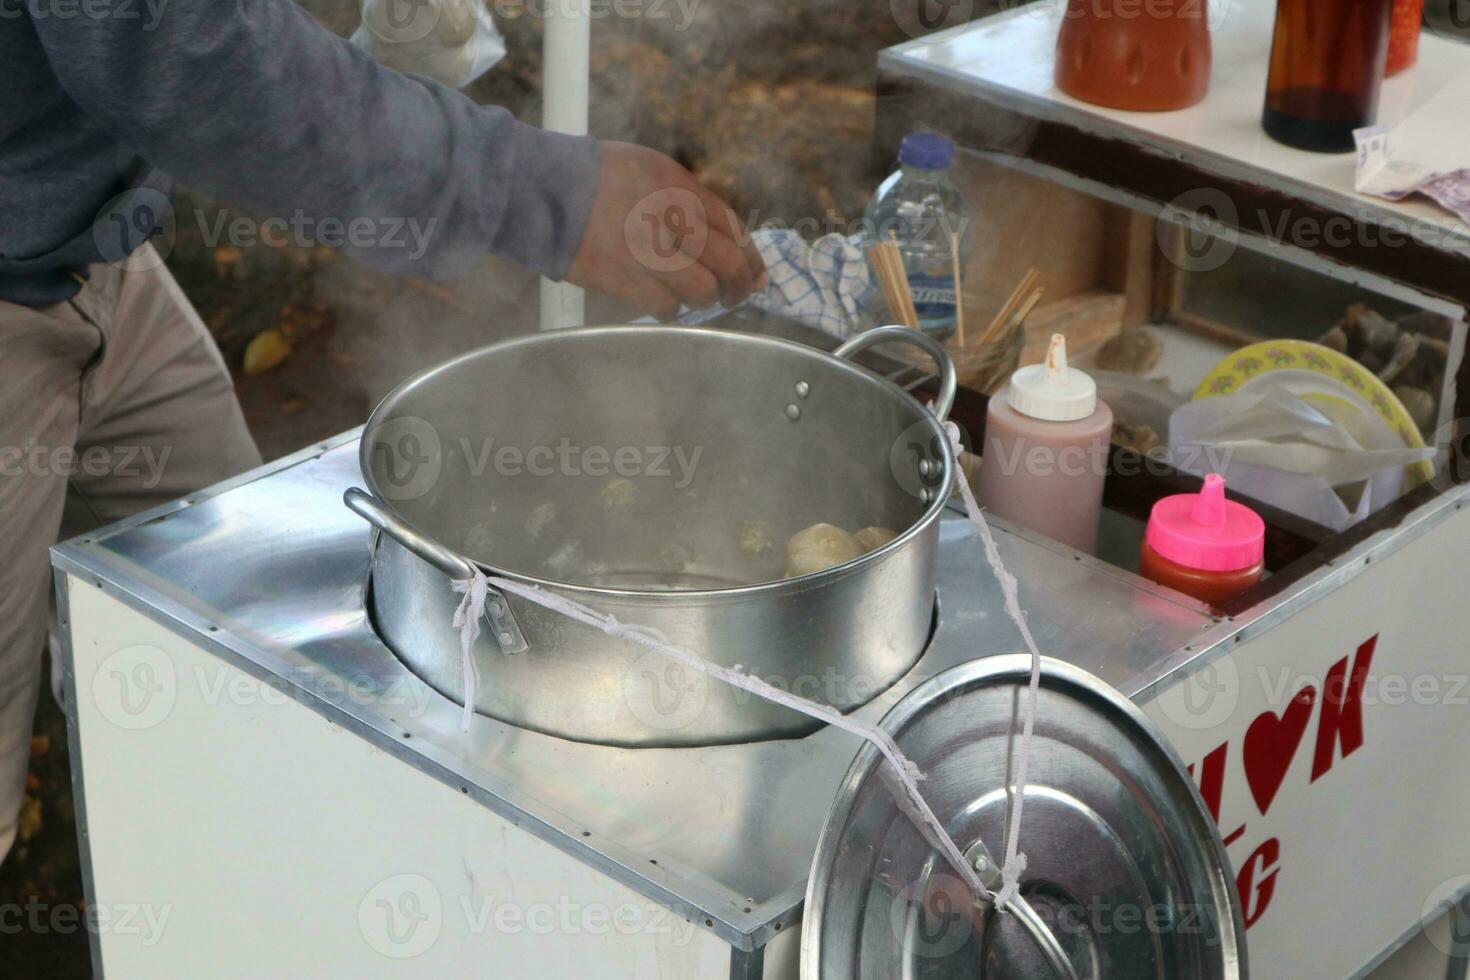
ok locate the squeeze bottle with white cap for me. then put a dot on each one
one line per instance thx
(1047, 439)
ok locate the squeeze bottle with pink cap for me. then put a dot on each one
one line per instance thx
(1047, 439)
(1204, 545)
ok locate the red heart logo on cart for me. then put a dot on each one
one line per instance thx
(1271, 743)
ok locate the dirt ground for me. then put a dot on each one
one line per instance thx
(770, 103)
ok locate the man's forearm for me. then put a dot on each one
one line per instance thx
(254, 102)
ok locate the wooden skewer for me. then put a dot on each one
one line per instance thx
(880, 259)
(1006, 312)
(885, 279)
(876, 261)
(959, 292)
(1020, 318)
(1017, 297)
(906, 292)
(895, 259)
(911, 312)
(888, 263)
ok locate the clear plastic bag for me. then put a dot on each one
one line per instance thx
(1278, 448)
(451, 41)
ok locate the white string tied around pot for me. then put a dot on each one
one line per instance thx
(472, 607)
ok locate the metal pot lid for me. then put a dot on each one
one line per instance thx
(1126, 871)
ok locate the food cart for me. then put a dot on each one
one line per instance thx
(259, 769)
(1222, 237)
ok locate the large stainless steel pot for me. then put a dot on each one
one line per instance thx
(656, 474)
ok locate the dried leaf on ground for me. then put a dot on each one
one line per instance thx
(266, 350)
(28, 824)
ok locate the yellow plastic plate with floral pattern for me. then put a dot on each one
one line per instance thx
(1333, 382)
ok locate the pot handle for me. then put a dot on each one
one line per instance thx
(364, 505)
(948, 381)
(502, 621)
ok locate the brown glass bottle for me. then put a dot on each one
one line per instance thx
(1327, 62)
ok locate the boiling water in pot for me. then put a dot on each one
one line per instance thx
(680, 568)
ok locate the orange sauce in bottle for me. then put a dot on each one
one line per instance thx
(1212, 587)
(1204, 545)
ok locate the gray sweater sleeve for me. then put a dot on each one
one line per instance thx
(254, 102)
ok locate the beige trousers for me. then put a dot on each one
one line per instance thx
(110, 403)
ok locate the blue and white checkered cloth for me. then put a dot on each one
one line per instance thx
(824, 284)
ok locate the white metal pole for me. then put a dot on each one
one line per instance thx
(566, 70)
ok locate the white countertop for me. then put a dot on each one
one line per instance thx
(1009, 57)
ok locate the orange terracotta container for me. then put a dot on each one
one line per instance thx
(1403, 35)
(1144, 55)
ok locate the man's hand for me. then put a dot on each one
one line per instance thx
(658, 239)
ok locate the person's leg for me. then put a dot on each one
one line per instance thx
(160, 418)
(44, 371)
(152, 416)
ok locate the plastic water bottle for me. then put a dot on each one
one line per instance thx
(920, 206)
